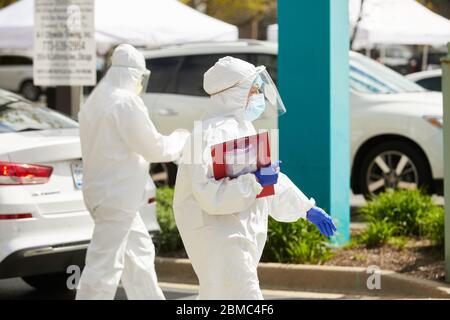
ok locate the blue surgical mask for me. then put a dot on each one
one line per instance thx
(255, 107)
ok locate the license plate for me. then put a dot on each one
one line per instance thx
(77, 174)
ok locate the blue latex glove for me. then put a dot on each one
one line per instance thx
(269, 175)
(322, 221)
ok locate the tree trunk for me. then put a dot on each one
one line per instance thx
(355, 29)
(254, 28)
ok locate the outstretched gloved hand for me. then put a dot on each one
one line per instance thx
(322, 221)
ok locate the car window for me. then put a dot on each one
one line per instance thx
(163, 74)
(190, 75)
(20, 115)
(15, 60)
(364, 82)
(369, 76)
(433, 83)
(270, 61)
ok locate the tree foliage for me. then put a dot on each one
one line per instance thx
(441, 7)
(4, 3)
(234, 11)
(254, 15)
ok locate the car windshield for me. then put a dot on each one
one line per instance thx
(369, 76)
(20, 115)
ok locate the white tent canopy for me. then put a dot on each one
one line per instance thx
(392, 22)
(139, 22)
(397, 22)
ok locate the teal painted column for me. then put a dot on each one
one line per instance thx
(313, 81)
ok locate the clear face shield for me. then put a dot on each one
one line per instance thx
(144, 82)
(274, 104)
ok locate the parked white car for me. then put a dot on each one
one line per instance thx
(16, 74)
(429, 79)
(396, 125)
(44, 225)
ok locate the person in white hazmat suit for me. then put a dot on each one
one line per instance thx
(118, 142)
(222, 224)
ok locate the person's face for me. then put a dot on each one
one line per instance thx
(253, 91)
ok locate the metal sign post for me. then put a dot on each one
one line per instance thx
(76, 95)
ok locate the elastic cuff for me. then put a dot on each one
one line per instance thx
(308, 206)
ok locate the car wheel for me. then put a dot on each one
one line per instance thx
(393, 165)
(30, 91)
(48, 282)
(163, 174)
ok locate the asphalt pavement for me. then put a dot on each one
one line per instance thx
(16, 289)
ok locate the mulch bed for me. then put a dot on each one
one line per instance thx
(417, 258)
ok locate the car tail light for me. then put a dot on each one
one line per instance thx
(15, 216)
(22, 173)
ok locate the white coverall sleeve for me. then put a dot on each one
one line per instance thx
(224, 196)
(289, 203)
(140, 134)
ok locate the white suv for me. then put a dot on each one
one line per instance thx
(396, 125)
(44, 225)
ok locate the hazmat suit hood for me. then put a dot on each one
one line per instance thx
(126, 71)
(127, 68)
(228, 83)
(124, 75)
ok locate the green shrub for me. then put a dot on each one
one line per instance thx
(377, 233)
(170, 237)
(298, 242)
(433, 225)
(402, 208)
(402, 213)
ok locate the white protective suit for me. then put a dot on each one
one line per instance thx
(118, 141)
(222, 224)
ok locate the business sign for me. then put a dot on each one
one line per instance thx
(64, 43)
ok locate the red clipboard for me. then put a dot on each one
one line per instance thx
(248, 153)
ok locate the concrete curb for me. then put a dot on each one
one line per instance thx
(329, 279)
